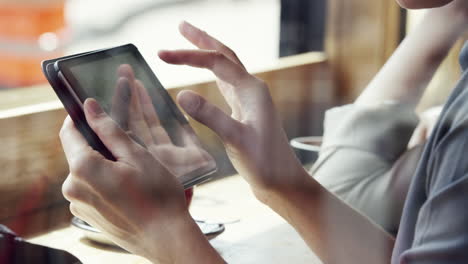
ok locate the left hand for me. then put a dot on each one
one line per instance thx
(135, 200)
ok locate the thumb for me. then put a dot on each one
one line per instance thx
(210, 115)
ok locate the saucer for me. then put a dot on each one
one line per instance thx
(210, 230)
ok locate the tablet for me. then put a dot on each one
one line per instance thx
(127, 89)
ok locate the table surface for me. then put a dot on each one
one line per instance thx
(254, 233)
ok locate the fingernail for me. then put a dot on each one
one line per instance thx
(163, 54)
(189, 102)
(184, 23)
(93, 107)
(187, 27)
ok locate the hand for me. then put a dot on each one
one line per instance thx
(132, 108)
(427, 122)
(136, 201)
(253, 135)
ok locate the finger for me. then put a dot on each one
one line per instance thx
(75, 190)
(419, 136)
(139, 130)
(121, 102)
(210, 115)
(159, 134)
(113, 137)
(84, 162)
(218, 63)
(204, 41)
(73, 142)
(125, 70)
(137, 122)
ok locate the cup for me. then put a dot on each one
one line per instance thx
(189, 196)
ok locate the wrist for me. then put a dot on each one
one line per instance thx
(180, 240)
(288, 203)
(299, 183)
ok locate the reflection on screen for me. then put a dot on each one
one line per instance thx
(133, 99)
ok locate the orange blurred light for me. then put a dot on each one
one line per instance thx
(22, 23)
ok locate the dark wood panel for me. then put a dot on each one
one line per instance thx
(361, 35)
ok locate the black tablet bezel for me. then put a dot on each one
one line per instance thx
(74, 110)
(64, 66)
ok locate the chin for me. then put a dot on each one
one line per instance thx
(420, 4)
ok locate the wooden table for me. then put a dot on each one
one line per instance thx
(254, 233)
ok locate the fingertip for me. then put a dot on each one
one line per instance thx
(182, 94)
(172, 57)
(125, 70)
(92, 107)
(185, 27)
(210, 115)
(189, 101)
(164, 55)
(182, 26)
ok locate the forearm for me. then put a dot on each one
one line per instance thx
(408, 72)
(333, 230)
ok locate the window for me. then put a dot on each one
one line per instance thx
(250, 27)
(302, 26)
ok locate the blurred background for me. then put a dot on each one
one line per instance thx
(259, 30)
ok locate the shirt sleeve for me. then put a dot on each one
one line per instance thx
(361, 144)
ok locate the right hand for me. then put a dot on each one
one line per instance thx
(427, 122)
(253, 135)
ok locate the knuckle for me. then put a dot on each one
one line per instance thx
(71, 191)
(82, 165)
(217, 57)
(74, 210)
(102, 125)
(68, 190)
(62, 132)
(232, 136)
(232, 54)
(260, 83)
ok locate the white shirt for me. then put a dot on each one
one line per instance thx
(364, 159)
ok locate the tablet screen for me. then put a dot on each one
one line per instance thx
(121, 81)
